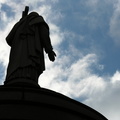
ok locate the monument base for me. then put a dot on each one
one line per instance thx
(18, 103)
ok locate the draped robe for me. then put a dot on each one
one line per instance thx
(28, 39)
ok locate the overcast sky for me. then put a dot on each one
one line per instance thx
(86, 37)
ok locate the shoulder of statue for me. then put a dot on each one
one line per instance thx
(37, 19)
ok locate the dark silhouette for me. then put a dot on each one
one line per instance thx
(21, 98)
(28, 39)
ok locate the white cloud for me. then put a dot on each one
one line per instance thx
(107, 100)
(3, 16)
(2, 1)
(77, 77)
(77, 80)
(116, 77)
(55, 34)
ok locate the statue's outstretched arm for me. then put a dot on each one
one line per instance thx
(44, 35)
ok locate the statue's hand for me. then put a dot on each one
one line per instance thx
(51, 56)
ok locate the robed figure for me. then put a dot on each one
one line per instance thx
(28, 39)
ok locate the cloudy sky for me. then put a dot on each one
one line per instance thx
(86, 37)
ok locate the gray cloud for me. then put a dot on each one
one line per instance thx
(107, 101)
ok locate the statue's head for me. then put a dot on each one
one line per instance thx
(34, 14)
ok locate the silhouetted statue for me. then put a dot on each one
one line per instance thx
(28, 39)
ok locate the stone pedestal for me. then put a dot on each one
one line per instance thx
(35, 103)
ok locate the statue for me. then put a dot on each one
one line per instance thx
(28, 39)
